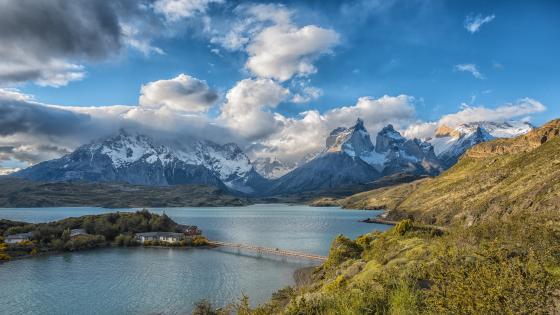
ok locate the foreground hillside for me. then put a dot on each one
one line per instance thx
(492, 179)
(15, 193)
(506, 266)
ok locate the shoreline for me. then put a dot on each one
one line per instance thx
(57, 252)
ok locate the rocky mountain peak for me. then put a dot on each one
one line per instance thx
(353, 141)
(138, 159)
(388, 139)
(524, 143)
(446, 131)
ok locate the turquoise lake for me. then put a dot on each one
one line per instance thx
(170, 281)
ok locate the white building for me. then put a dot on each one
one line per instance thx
(77, 232)
(18, 238)
(169, 237)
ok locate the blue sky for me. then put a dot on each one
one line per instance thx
(404, 49)
(410, 63)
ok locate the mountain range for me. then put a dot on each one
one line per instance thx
(451, 143)
(138, 159)
(491, 180)
(348, 158)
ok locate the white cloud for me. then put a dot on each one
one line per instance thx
(53, 72)
(7, 170)
(138, 41)
(277, 48)
(174, 10)
(31, 131)
(505, 112)
(182, 93)
(473, 23)
(420, 130)
(247, 110)
(470, 68)
(307, 94)
(296, 137)
(282, 51)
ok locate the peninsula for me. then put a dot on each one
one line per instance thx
(21, 239)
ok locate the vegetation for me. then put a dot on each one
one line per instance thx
(102, 230)
(492, 180)
(3, 247)
(15, 192)
(510, 266)
(191, 241)
(500, 256)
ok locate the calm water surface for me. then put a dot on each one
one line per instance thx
(169, 281)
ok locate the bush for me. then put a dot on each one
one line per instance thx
(342, 249)
(204, 307)
(403, 227)
(126, 240)
(85, 242)
(199, 241)
(496, 281)
(4, 257)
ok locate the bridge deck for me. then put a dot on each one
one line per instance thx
(269, 250)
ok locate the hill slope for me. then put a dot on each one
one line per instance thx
(492, 179)
(16, 193)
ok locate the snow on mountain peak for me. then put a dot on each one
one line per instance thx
(228, 162)
(353, 141)
(454, 141)
(387, 139)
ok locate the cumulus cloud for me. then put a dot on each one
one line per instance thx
(31, 131)
(522, 107)
(174, 10)
(277, 48)
(248, 107)
(182, 93)
(473, 23)
(51, 42)
(469, 114)
(296, 137)
(307, 94)
(282, 51)
(420, 130)
(38, 36)
(470, 68)
(19, 114)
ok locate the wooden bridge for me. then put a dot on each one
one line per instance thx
(269, 250)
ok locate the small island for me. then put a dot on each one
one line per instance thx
(140, 228)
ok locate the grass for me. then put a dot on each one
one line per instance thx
(477, 188)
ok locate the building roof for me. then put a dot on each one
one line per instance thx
(75, 232)
(20, 235)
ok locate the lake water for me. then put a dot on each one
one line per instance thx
(170, 281)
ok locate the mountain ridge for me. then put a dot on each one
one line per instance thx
(138, 159)
(493, 179)
(349, 159)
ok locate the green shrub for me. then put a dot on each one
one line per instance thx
(4, 257)
(342, 249)
(403, 227)
(126, 240)
(199, 241)
(85, 242)
(495, 281)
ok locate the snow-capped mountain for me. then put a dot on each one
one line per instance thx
(351, 158)
(451, 143)
(138, 159)
(272, 168)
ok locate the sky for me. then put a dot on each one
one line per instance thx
(273, 77)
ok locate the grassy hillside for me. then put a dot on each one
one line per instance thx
(492, 179)
(509, 266)
(16, 193)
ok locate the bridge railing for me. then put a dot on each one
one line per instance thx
(270, 250)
